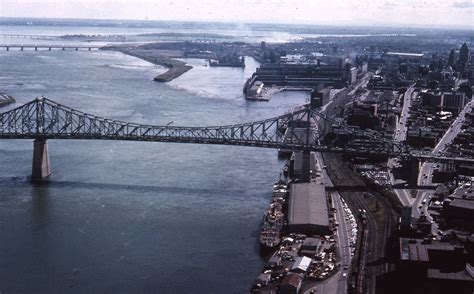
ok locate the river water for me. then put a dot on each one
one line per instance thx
(134, 217)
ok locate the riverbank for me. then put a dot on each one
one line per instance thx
(269, 91)
(6, 99)
(175, 67)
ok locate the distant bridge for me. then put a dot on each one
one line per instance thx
(20, 36)
(43, 119)
(37, 47)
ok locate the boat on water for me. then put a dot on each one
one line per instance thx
(270, 239)
(273, 220)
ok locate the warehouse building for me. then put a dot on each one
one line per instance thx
(308, 209)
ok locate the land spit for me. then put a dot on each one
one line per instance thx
(175, 67)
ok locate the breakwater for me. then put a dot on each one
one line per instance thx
(175, 67)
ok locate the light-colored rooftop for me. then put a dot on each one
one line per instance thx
(405, 54)
(308, 204)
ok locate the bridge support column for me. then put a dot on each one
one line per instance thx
(306, 166)
(411, 169)
(41, 168)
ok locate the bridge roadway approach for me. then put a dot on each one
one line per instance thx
(37, 47)
(43, 119)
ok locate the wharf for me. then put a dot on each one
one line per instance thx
(308, 251)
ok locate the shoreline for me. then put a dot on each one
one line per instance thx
(6, 99)
(175, 67)
(269, 91)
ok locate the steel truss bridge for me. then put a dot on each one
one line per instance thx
(43, 119)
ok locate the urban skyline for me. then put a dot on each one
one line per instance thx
(456, 14)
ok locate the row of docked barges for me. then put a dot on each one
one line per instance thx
(274, 218)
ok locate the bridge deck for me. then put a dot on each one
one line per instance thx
(46, 119)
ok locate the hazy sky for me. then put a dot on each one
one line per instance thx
(360, 12)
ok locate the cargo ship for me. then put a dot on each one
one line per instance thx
(228, 60)
(273, 220)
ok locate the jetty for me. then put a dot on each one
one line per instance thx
(175, 67)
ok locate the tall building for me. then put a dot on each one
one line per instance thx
(452, 58)
(464, 53)
(456, 100)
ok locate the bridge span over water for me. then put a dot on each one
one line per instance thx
(48, 47)
(43, 119)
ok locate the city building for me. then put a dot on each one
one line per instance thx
(454, 100)
(363, 115)
(441, 263)
(291, 284)
(321, 97)
(458, 208)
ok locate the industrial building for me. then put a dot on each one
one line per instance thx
(321, 97)
(308, 209)
(302, 76)
(437, 263)
(458, 208)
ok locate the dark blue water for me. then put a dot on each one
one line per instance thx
(134, 217)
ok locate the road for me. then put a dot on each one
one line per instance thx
(426, 171)
(376, 231)
(400, 136)
(338, 282)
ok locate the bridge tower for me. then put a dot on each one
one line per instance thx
(41, 168)
(306, 166)
(412, 168)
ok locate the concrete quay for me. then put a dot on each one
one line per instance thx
(315, 249)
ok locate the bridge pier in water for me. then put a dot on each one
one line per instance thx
(41, 168)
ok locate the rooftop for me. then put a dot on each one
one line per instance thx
(438, 274)
(308, 204)
(405, 54)
(463, 203)
(417, 249)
